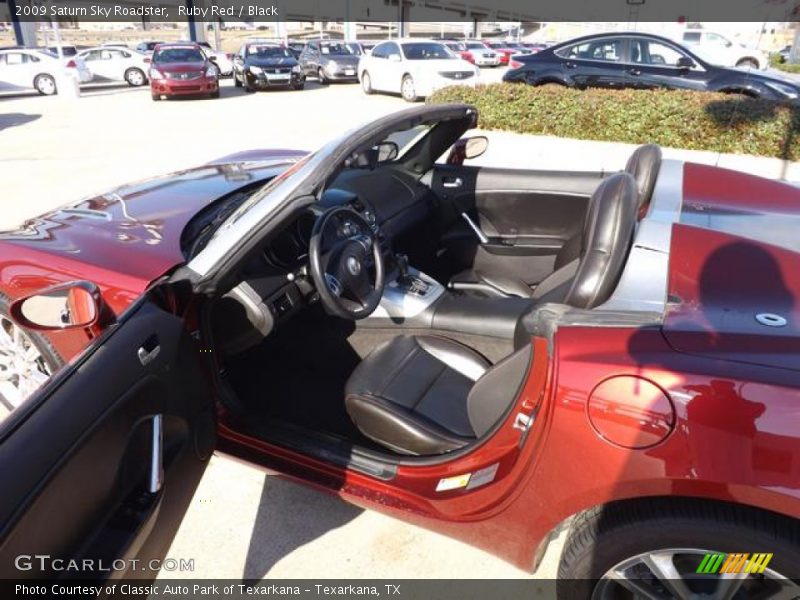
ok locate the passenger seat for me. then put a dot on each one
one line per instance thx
(643, 166)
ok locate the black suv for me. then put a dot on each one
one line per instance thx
(261, 65)
(641, 61)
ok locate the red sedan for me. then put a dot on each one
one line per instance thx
(182, 69)
(615, 353)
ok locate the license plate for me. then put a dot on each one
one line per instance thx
(349, 71)
(278, 77)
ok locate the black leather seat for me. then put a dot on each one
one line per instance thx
(643, 165)
(429, 395)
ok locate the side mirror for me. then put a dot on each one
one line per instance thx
(684, 62)
(72, 305)
(212, 58)
(471, 147)
(387, 151)
(394, 57)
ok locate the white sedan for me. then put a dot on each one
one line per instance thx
(413, 68)
(109, 64)
(24, 69)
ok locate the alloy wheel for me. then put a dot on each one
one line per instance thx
(135, 77)
(672, 573)
(45, 85)
(23, 369)
(407, 89)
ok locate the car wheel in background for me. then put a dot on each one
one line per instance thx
(660, 548)
(407, 89)
(45, 85)
(747, 63)
(135, 77)
(321, 77)
(366, 83)
(236, 81)
(247, 87)
(27, 360)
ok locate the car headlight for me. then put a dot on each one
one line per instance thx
(256, 70)
(156, 74)
(783, 89)
(297, 69)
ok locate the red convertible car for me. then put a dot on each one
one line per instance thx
(493, 354)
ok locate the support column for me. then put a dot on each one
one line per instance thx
(25, 33)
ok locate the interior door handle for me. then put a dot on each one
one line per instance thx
(156, 476)
(149, 350)
(452, 182)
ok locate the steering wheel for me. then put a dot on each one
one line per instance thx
(342, 250)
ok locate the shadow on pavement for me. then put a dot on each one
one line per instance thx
(290, 516)
(8, 120)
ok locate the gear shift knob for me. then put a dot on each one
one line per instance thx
(402, 265)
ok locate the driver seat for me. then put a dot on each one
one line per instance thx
(426, 395)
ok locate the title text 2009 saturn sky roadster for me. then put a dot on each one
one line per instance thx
(485, 352)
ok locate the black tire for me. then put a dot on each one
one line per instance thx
(50, 355)
(214, 95)
(321, 77)
(299, 86)
(156, 97)
(366, 83)
(45, 84)
(134, 75)
(247, 88)
(236, 82)
(602, 538)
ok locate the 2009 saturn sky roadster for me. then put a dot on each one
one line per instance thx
(488, 353)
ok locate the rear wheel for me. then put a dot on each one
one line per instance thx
(654, 549)
(366, 83)
(408, 89)
(135, 77)
(747, 63)
(27, 360)
(45, 85)
(323, 79)
(236, 81)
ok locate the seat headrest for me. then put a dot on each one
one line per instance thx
(607, 235)
(643, 166)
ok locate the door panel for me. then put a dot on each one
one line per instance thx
(527, 216)
(106, 459)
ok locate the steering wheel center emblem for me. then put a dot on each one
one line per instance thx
(353, 265)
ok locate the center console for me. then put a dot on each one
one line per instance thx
(411, 299)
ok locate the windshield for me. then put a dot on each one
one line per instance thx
(475, 46)
(354, 48)
(457, 46)
(426, 51)
(173, 55)
(268, 52)
(336, 49)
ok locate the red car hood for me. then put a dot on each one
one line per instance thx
(134, 231)
(734, 281)
(180, 67)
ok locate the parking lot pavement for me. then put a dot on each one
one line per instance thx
(241, 522)
(244, 524)
(56, 150)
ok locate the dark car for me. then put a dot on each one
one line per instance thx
(182, 69)
(640, 61)
(330, 60)
(262, 65)
(295, 48)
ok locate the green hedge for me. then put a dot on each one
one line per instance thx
(678, 119)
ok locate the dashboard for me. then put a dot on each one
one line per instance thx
(276, 282)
